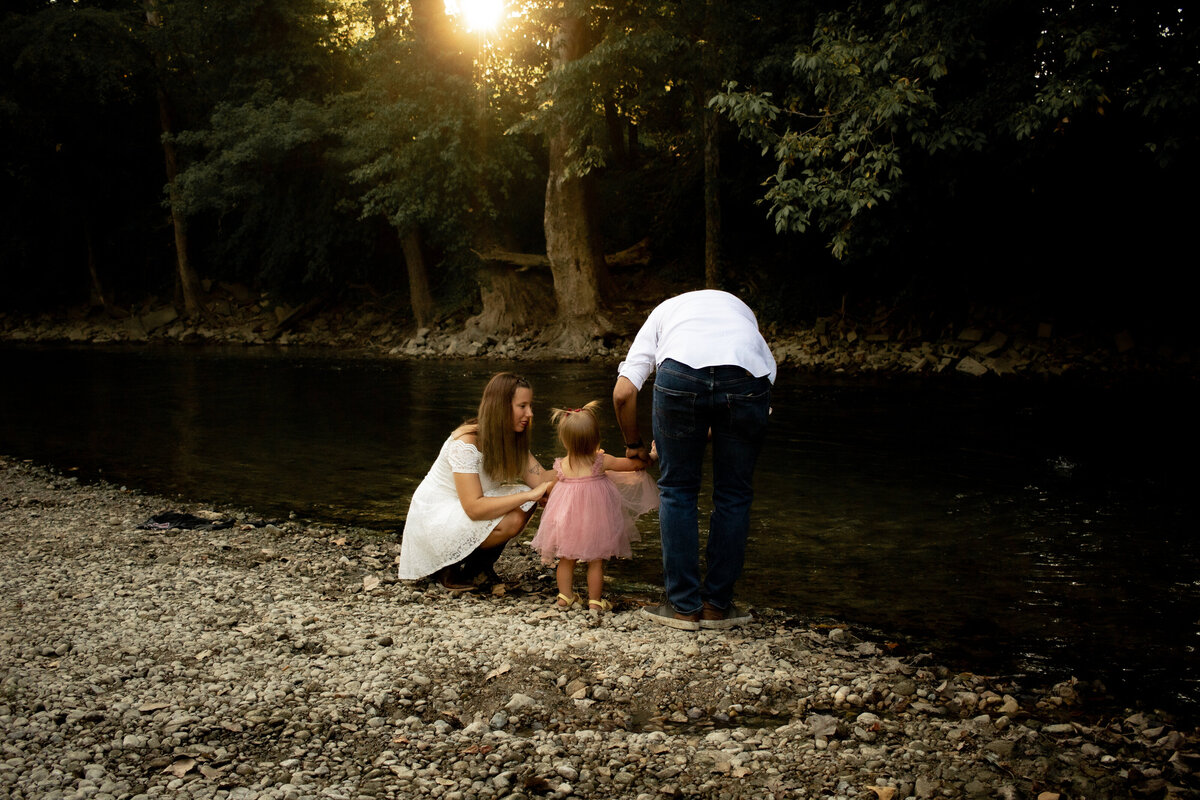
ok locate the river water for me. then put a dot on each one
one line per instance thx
(1008, 527)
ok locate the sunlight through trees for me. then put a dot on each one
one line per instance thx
(324, 144)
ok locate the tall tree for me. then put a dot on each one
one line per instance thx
(714, 12)
(572, 239)
(611, 68)
(188, 281)
(261, 181)
(435, 41)
(413, 138)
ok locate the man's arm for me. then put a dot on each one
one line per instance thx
(625, 404)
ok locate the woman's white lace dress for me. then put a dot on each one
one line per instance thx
(437, 532)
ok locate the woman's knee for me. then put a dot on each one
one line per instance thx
(509, 526)
(513, 523)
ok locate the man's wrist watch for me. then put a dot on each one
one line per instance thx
(638, 445)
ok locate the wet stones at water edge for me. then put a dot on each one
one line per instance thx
(836, 343)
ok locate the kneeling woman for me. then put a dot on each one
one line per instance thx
(477, 494)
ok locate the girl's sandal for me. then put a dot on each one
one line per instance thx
(599, 606)
(563, 602)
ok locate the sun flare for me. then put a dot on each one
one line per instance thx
(477, 15)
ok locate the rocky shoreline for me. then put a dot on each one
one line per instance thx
(283, 660)
(883, 342)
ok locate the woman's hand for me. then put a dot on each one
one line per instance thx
(543, 491)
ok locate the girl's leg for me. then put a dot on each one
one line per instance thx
(595, 578)
(565, 576)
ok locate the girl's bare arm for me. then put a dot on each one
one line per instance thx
(624, 464)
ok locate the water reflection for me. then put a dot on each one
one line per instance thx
(1021, 527)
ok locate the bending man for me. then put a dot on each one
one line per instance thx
(713, 377)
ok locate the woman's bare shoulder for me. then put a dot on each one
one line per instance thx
(466, 433)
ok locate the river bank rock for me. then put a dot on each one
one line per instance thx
(286, 661)
(833, 344)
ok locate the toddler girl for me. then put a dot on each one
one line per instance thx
(586, 518)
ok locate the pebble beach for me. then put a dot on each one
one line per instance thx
(282, 659)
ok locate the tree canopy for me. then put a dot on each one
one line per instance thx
(823, 148)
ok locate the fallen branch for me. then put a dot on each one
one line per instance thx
(295, 316)
(638, 254)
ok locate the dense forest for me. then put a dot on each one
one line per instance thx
(1031, 156)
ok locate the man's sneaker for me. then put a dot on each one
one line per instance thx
(713, 618)
(667, 615)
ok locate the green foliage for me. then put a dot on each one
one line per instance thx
(315, 133)
(407, 139)
(222, 51)
(875, 93)
(861, 97)
(268, 202)
(636, 62)
(79, 53)
(1139, 60)
(261, 170)
(421, 150)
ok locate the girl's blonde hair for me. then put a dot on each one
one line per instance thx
(505, 452)
(578, 428)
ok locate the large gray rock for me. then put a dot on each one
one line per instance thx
(971, 367)
(157, 319)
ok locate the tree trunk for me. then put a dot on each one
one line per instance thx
(616, 133)
(434, 34)
(98, 296)
(713, 276)
(572, 243)
(514, 301)
(710, 120)
(418, 279)
(189, 282)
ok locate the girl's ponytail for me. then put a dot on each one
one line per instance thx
(578, 428)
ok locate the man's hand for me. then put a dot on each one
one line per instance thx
(640, 453)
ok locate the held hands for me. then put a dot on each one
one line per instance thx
(638, 453)
(541, 492)
(647, 457)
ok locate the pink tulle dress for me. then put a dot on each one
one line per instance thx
(592, 517)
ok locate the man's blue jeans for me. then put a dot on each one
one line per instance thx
(688, 403)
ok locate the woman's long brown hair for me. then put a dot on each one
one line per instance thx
(505, 452)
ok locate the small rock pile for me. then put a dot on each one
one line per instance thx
(285, 661)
